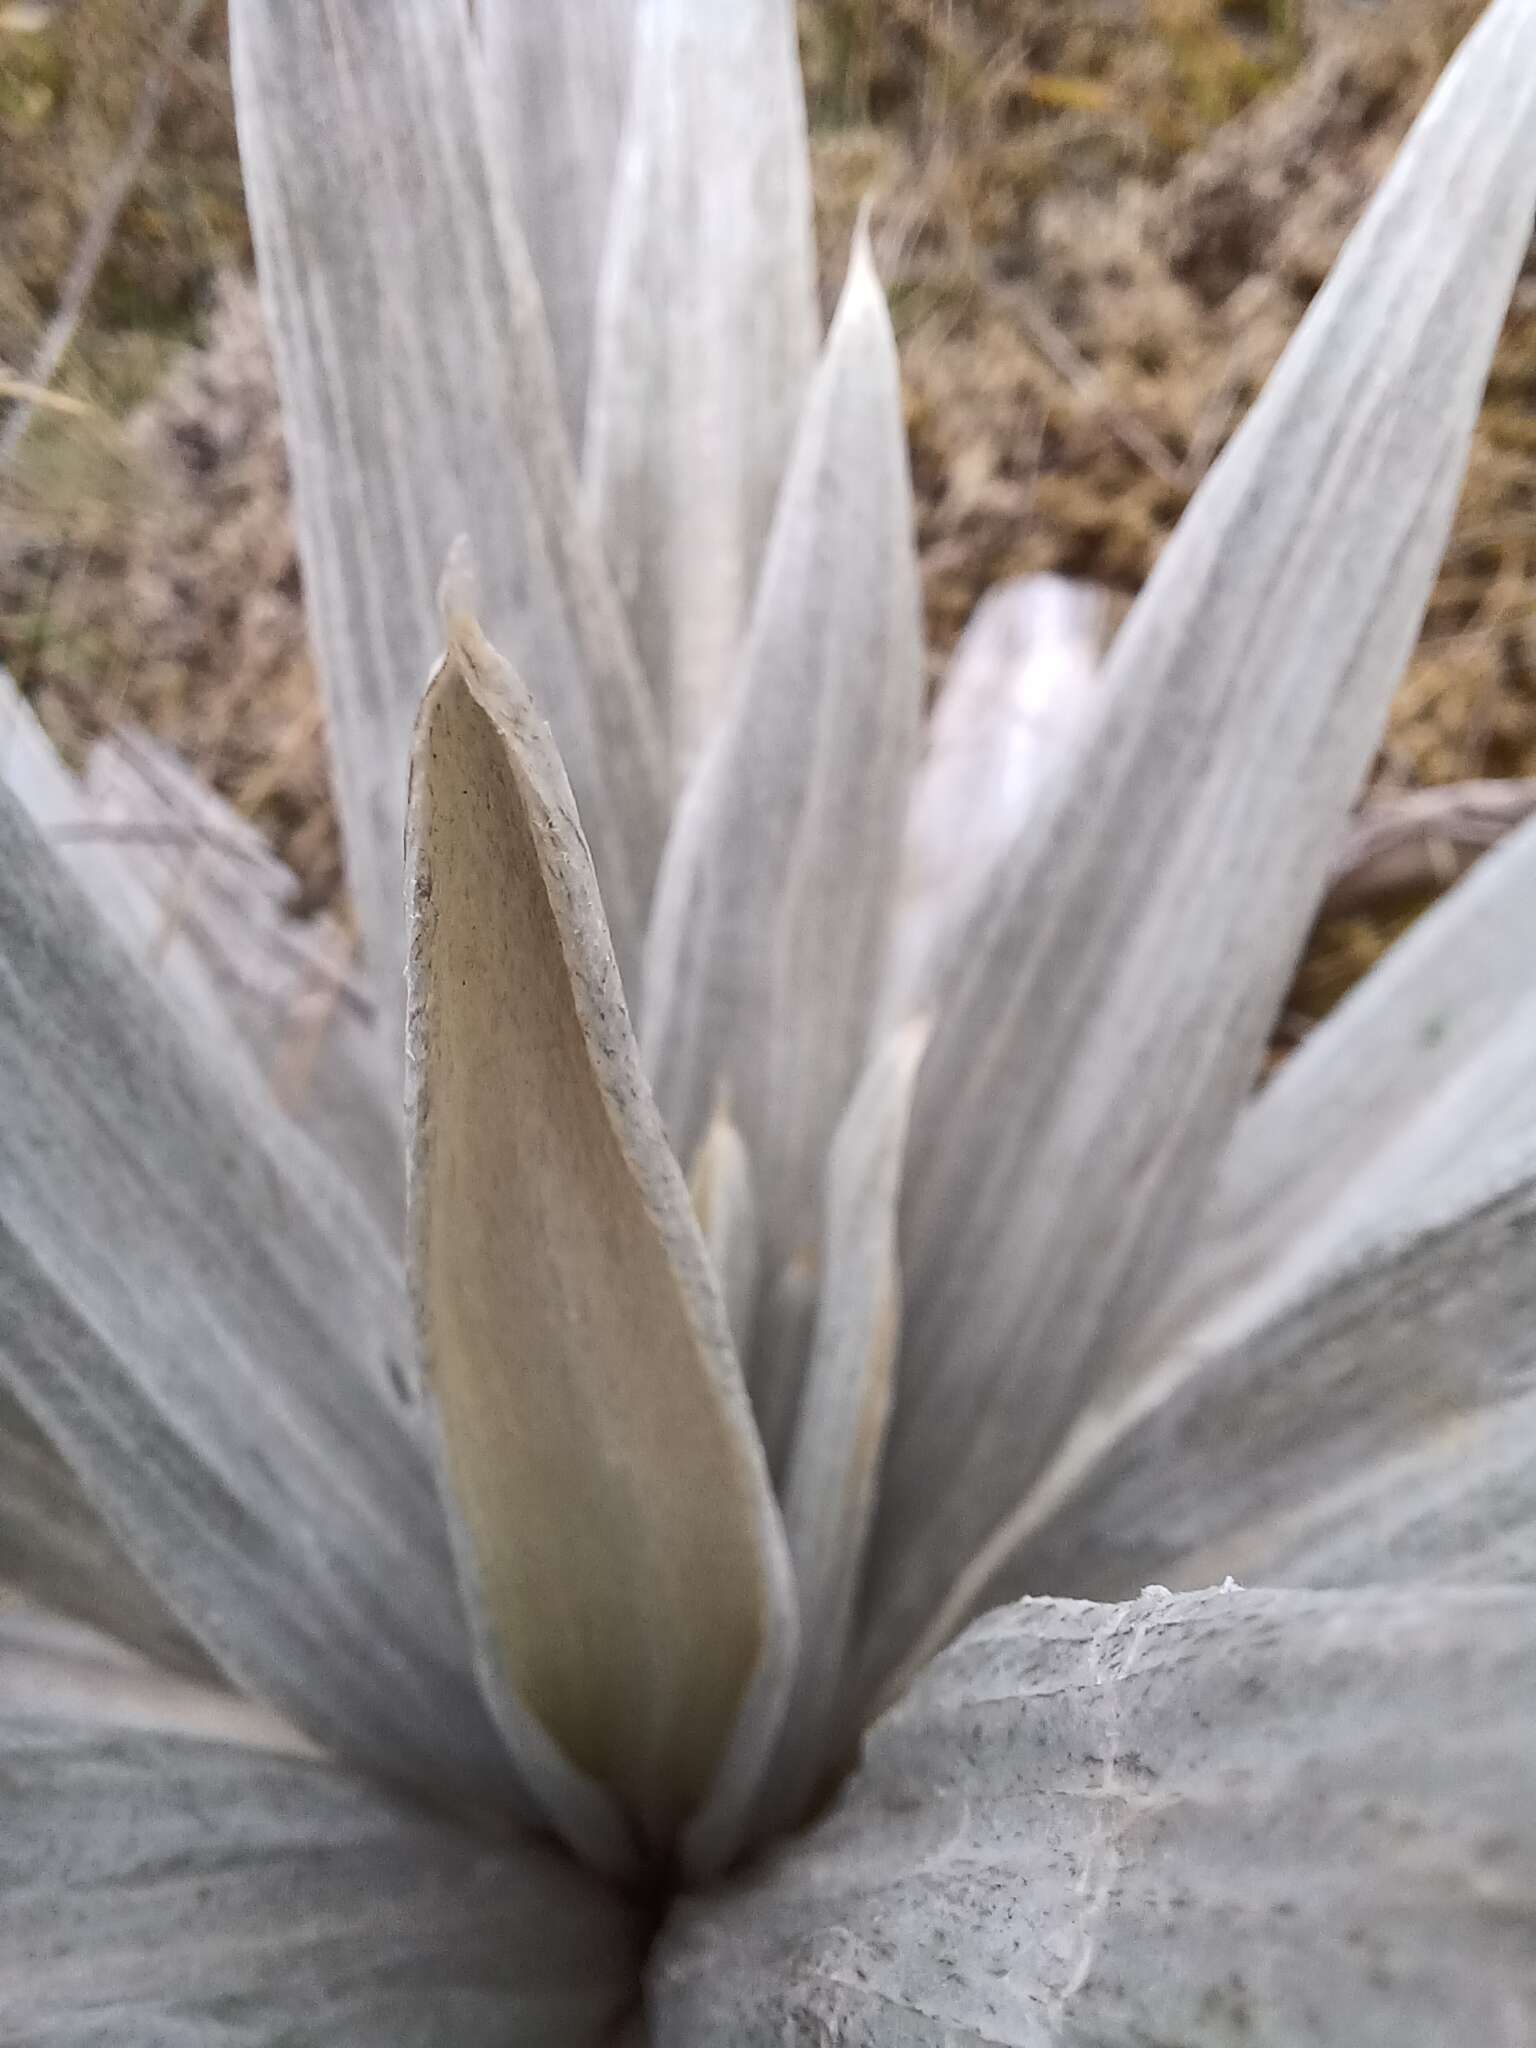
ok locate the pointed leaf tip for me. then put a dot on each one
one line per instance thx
(775, 901)
(618, 1540)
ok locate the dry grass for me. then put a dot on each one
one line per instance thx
(1100, 222)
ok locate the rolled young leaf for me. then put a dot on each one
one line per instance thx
(1110, 1009)
(775, 899)
(558, 84)
(620, 1547)
(421, 402)
(706, 332)
(201, 1316)
(1265, 1817)
(173, 1872)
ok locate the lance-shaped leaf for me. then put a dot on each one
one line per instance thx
(706, 334)
(1204, 1819)
(55, 1549)
(1018, 696)
(834, 1463)
(174, 1874)
(1328, 1130)
(558, 80)
(775, 899)
(1418, 1345)
(620, 1540)
(1110, 1012)
(421, 401)
(201, 1316)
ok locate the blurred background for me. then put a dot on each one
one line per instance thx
(1099, 220)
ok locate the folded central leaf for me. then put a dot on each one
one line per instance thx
(618, 1526)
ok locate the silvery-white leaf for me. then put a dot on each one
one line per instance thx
(781, 1349)
(834, 1462)
(170, 1875)
(51, 795)
(1471, 1121)
(1412, 1165)
(1267, 1818)
(1110, 1010)
(558, 82)
(1414, 1352)
(204, 1320)
(706, 332)
(620, 1541)
(421, 402)
(1017, 696)
(63, 809)
(1406, 844)
(53, 1669)
(53, 1545)
(289, 989)
(56, 1549)
(720, 1186)
(191, 889)
(1459, 1504)
(774, 904)
(1329, 1129)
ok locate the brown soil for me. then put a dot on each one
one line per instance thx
(1100, 222)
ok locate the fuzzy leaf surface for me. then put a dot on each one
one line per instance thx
(1197, 1819)
(1109, 1013)
(707, 328)
(620, 1543)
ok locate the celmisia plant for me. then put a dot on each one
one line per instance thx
(838, 1207)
